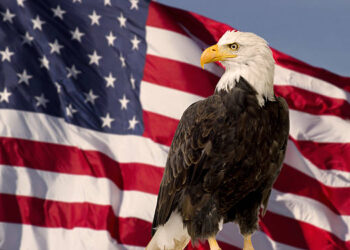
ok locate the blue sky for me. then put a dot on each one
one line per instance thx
(315, 31)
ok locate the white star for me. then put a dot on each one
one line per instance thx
(24, 77)
(110, 80)
(73, 72)
(58, 87)
(20, 3)
(132, 81)
(44, 63)
(41, 100)
(76, 1)
(27, 38)
(4, 95)
(37, 23)
(122, 60)
(6, 54)
(106, 121)
(124, 103)
(135, 43)
(76, 34)
(122, 20)
(132, 123)
(90, 97)
(94, 58)
(108, 2)
(110, 38)
(7, 16)
(58, 12)
(70, 110)
(134, 4)
(55, 47)
(95, 18)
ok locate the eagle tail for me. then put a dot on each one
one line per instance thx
(172, 235)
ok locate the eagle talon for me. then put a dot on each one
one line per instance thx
(248, 242)
(213, 243)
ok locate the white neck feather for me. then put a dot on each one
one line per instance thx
(259, 74)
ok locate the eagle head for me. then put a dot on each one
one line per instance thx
(247, 55)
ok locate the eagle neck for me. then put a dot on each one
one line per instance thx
(258, 76)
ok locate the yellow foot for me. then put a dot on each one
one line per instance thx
(248, 242)
(213, 243)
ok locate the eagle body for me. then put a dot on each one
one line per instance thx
(225, 156)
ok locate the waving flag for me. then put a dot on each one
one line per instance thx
(91, 92)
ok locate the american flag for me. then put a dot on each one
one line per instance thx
(91, 92)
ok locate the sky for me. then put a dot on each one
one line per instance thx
(314, 31)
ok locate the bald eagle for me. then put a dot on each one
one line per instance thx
(227, 151)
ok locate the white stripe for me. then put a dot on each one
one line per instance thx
(332, 178)
(21, 236)
(76, 188)
(166, 101)
(287, 77)
(303, 126)
(45, 128)
(60, 187)
(174, 46)
(161, 43)
(318, 128)
(231, 235)
(310, 211)
(152, 98)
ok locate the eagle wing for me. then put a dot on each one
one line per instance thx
(204, 143)
(187, 153)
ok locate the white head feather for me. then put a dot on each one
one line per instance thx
(254, 62)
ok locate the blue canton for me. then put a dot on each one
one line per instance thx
(80, 60)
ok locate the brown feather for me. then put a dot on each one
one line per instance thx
(225, 156)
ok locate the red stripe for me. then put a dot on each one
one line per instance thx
(155, 121)
(310, 102)
(55, 214)
(72, 160)
(133, 231)
(293, 181)
(326, 156)
(183, 22)
(159, 128)
(300, 234)
(180, 76)
(209, 31)
(160, 16)
(47, 213)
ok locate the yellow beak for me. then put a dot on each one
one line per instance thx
(214, 54)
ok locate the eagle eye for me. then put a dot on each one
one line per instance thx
(234, 46)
